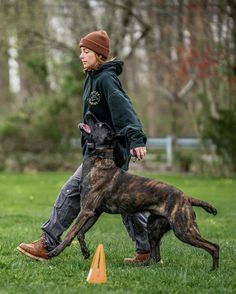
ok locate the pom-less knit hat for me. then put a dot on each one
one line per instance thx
(98, 42)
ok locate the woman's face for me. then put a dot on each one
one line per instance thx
(88, 58)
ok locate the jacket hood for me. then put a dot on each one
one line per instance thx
(111, 66)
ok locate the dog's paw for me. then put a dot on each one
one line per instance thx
(86, 255)
(52, 253)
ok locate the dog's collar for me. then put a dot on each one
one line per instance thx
(92, 145)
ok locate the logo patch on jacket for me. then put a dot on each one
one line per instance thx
(94, 98)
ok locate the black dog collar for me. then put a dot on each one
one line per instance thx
(92, 145)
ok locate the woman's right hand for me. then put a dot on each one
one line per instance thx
(139, 152)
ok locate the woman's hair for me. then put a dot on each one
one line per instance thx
(100, 60)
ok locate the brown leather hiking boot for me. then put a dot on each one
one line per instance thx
(36, 250)
(140, 258)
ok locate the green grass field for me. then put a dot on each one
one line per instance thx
(26, 201)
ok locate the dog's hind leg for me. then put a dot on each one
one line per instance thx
(157, 227)
(186, 231)
(81, 235)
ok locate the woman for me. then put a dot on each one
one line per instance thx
(105, 97)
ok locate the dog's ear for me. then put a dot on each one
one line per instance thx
(112, 136)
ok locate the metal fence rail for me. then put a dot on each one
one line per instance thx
(166, 143)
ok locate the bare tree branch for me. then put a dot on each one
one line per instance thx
(186, 88)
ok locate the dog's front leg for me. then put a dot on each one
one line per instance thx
(81, 235)
(82, 218)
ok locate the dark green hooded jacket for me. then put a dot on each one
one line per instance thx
(106, 99)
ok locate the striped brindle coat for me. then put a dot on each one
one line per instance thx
(107, 188)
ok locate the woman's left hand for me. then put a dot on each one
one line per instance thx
(140, 152)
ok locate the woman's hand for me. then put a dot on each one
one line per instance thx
(140, 152)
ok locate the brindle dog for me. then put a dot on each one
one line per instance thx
(107, 188)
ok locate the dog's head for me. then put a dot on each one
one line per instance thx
(97, 132)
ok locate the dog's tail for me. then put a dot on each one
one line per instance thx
(205, 205)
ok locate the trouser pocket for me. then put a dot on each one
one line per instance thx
(70, 189)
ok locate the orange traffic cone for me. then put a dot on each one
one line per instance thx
(97, 273)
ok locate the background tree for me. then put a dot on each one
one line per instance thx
(179, 67)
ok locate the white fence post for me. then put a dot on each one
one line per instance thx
(169, 150)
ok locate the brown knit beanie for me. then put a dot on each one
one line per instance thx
(98, 42)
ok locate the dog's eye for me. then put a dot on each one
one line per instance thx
(99, 125)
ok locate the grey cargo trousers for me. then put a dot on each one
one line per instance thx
(67, 207)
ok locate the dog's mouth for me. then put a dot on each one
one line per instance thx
(84, 127)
